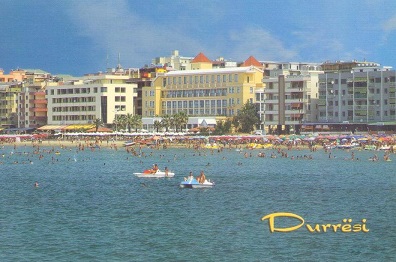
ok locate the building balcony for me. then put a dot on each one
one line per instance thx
(272, 122)
(294, 112)
(38, 118)
(294, 100)
(37, 93)
(292, 122)
(294, 89)
(271, 91)
(40, 109)
(38, 101)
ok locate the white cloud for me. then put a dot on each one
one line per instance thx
(390, 24)
(259, 43)
(114, 27)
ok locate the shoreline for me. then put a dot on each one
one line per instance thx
(119, 145)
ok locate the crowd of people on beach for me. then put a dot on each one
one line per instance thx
(275, 148)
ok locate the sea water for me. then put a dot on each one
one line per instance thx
(90, 207)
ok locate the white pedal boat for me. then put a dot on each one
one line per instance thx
(193, 183)
(158, 174)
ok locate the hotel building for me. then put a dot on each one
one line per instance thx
(96, 96)
(202, 91)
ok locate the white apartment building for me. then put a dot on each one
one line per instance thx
(289, 97)
(174, 61)
(83, 100)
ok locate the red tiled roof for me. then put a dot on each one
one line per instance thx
(251, 61)
(201, 58)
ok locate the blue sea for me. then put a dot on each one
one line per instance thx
(90, 207)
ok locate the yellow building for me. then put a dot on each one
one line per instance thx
(201, 92)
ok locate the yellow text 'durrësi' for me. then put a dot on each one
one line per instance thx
(345, 227)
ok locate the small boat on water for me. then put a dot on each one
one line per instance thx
(157, 174)
(370, 147)
(348, 145)
(129, 143)
(193, 183)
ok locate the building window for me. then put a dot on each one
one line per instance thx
(103, 89)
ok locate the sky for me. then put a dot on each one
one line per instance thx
(87, 36)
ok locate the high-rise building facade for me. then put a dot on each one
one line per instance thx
(290, 96)
(357, 92)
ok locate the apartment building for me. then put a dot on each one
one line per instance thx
(357, 92)
(290, 96)
(94, 96)
(32, 103)
(175, 61)
(8, 104)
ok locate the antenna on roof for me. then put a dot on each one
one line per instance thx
(107, 60)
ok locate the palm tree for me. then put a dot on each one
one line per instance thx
(182, 119)
(123, 122)
(98, 122)
(129, 119)
(136, 122)
(157, 125)
(172, 122)
(166, 122)
(117, 121)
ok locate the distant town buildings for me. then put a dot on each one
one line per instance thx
(289, 96)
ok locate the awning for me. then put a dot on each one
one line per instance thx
(51, 127)
(100, 130)
(78, 127)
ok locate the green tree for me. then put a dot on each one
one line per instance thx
(122, 122)
(136, 122)
(98, 122)
(157, 125)
(223, 127)
(247, 118)
(129, 121)
(166, 122)
(180, 120)
(117, 122)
